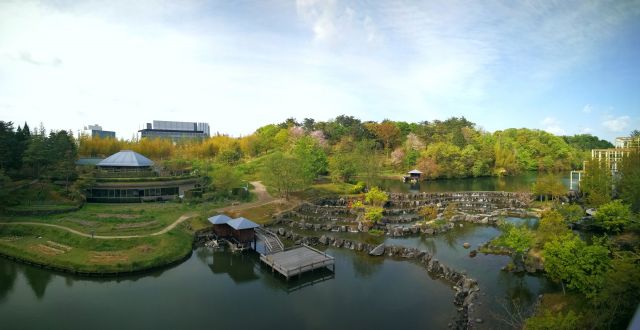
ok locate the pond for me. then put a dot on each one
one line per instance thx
(218, 289)
(519, 183)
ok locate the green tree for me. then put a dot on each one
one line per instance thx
(429, 212)
(224, 178)
(629, 179)
(5, 181)
(620, 294)
(552, 224)
(284, 173)
(518, 238)
(569, 260)
(549, 185)
(571, 212)
(597, 183)
(613, 216)
(376, 197)
(373, 214)
(312, 156)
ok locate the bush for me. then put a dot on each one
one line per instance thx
(613, 216)
(429, 212)
(358, 188)
(550, 321)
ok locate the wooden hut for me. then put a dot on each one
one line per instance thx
(242, 230)
(220, 227)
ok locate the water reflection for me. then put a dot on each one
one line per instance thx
(38, 280)
(8, 274)
(240, 267)
(366, 266)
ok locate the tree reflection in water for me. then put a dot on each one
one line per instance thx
(8, 274)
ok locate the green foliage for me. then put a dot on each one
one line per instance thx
(613, 216)
(5, 182)
(620, 293)
(284, 173)
(311, 155)
(571, 212)
(376, 197)
(629, 180)
(554, 321)
(518, 238)
(596, 183)
(586, 142)
(552, 224)
(224, 178)
(376, 232)
(450, 211)
(549, 185)
(569, 260)
(358, 188)
(429, 212)
(373, 214)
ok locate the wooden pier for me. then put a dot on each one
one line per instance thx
(297, 260)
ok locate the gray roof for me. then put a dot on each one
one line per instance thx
(219, 219)
(88, 161)
(126, 158)
(242, 223)
(414, 172)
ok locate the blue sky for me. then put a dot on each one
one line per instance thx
(564, 66)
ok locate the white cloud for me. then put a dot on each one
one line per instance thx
(618, 124)
(552, 125)
(586, 130)
(587, 108)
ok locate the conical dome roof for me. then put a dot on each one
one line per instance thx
(126, 158)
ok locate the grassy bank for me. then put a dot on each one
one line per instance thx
(63, 250)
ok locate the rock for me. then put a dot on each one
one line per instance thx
(473, 253)
(281, 231)
(377, 251)
(466, 245)
(324, 240)
(478, 320)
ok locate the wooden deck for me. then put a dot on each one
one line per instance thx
(298, 260)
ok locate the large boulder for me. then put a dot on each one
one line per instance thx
(377, 251)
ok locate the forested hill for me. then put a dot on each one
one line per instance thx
(454, 147)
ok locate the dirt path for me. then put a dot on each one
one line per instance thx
(163, 231)
(261, 192)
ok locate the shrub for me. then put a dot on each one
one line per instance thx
(613, 216)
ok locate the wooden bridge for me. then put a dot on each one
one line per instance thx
(291, 261)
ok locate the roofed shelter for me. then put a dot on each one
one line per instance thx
(413, 175)
(126, 162)
(243, 229)
(220, 227)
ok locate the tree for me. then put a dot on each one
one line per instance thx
(387, 132)
(572, 213)
(569, 260)
(519, 239)
(597, 183)
(429, 212)
(373, 214)
(284, 173)
(224, 178)
(552, 224)
(620, 293)
(549, 185)
(629, 180)
(312, 157)
(5, 181)
(551, 321)
(613, 216)
(376, 197)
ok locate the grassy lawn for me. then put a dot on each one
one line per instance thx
(54, 247)
(118, 219)
(62, 249)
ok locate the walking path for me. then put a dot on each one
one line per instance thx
(263, 195)
(163, 231)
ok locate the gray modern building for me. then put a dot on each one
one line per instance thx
(96, 131)
(175, 130)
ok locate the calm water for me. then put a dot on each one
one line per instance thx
(223, 290)
(521, 182)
